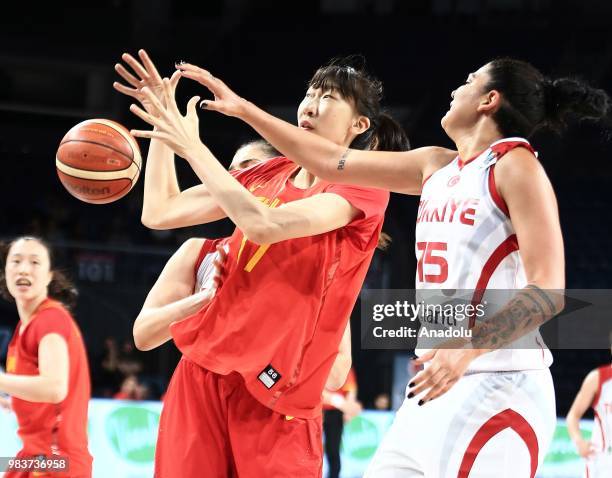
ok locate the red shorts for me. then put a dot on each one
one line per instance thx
(212, 426)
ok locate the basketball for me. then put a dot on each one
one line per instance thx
(98, 161)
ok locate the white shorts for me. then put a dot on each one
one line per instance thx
(489, 424)
(599, 465)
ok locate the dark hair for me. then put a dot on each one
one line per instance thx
(269, 150)
(60, 287)
(530, 101)
(349, 78)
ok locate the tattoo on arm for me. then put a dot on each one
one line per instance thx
(530, 308)
(343, 159)
(544, 297)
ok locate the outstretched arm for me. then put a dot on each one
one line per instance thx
(401, 172)
(164, 206)
(261, 224)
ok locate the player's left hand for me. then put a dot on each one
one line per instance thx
(446, 367)
(180, 133)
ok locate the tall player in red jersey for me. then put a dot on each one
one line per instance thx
(47, 370)
(191, 276)
(246, 397)
(502, 103)
(187, 282)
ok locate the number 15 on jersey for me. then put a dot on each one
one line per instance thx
(432, 255)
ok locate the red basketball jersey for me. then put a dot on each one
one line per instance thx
(46, 428)
(281, 312)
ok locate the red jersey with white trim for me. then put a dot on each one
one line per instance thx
(465, 240)
(46, 428)
(282, 309)
(602, 408)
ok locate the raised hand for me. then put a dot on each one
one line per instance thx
(147, 76)
(225, 101)
(180, 133)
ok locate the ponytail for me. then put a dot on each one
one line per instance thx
(388, 135)
(567, 97)
(62, 289)
(531, 102)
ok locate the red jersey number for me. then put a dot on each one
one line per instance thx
(428, 257)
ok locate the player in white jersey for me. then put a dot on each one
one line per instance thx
(497, 419)
(595, 392)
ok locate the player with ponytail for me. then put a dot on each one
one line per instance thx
(47, 370)
(257, 357)
(487, 220)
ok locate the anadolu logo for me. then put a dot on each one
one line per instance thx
(562, 449)
(360, 438)
(132, 432)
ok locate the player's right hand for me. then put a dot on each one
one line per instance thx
(146, 76)
(585, 448)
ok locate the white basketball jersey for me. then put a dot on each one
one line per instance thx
(205, 268)
(465, 240)
(602, 408)
(206, 272)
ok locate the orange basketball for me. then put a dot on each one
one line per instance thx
(98, 161)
